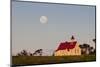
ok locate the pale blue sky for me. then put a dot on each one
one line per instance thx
(63, 22)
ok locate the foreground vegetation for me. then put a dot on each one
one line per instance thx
(34, 60)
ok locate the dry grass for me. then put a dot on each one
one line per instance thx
(34, 60)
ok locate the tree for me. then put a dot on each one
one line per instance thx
(91, 50)
(24, 53)
(94, 40)
(38, 52)
(86, 49)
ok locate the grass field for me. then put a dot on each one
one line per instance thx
(34, 60)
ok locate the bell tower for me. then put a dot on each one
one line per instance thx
(72, 38)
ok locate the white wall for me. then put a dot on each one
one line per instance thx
(5, 33)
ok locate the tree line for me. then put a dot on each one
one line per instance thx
(86, 49)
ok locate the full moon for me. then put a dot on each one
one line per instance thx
(43, 19)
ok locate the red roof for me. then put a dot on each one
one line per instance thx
(66, 45)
